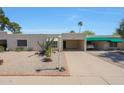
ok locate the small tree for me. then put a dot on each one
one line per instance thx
(115, 34)
(5, 23)
(120, 30)
(14, 28)
(88, 33)
(72, 31)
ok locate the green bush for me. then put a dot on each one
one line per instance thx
(2, 49)
(29, 49)
(18, 49)
(23, 49)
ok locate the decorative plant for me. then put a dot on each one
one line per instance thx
(46, 49)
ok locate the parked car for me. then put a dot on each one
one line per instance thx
(90, 47)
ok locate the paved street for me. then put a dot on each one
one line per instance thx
(84, 69)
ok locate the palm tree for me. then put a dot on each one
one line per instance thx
(72, 31)
(80, 24)
(5, 23)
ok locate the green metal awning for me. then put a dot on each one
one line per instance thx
(104, 39)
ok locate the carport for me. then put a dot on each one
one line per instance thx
(73, 41)
(103, 42)
(72, 44)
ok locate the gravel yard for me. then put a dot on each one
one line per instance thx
(26, 63)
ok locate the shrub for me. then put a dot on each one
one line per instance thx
(23, 49)
(18, 49)
(2, 49)
(29, 49)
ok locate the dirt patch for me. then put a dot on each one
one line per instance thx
(26, 64)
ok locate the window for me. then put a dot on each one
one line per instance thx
(21, 42)
(54, 45)
(113, 44)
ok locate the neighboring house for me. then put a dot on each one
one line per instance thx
(70, 41)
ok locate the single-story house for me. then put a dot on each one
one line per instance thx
(69, 41)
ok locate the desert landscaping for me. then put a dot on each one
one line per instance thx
(27, 63)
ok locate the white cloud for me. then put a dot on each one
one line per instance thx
(73, 17)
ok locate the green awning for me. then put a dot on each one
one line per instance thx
(104, 39)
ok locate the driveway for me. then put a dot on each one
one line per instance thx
(84, 69)
(113, 57)
(92, 70)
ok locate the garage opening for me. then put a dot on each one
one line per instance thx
(3, 43)
(72, 44)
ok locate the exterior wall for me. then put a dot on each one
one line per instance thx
(71, 44)
(121, 46)
(81, 44)
(74, 44)
(74, 41)
(102, 45)
(105, 45)
(31, 40)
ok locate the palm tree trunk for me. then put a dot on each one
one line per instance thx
(79, 29)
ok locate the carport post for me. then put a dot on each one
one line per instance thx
(59, 54)
(85, 44)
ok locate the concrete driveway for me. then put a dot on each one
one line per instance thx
(84, 69)
(92, 70)
(114, 57)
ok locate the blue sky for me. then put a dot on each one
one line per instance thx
(102, 21)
